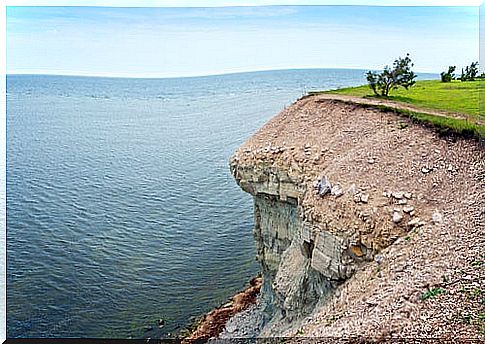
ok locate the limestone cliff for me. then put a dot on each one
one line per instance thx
(300, 264)
(334, 184)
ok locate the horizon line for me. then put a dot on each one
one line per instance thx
(245, 3)
(253, 5)
(191, 76)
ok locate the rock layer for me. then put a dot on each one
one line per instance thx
(301, 264)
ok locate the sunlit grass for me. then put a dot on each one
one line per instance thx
(466, 98)
(455, 96)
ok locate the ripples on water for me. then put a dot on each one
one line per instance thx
(120, 206)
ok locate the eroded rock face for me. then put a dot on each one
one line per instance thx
(301, 264)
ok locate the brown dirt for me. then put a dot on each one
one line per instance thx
(376, 154)
(214, 322)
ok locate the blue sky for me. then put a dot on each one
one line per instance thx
(168, 42)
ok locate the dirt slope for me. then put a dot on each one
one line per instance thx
(403, 185)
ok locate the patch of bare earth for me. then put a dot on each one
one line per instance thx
(412, 196)
(396, 105)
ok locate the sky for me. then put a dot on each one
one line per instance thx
(172, 42)
(482, 37)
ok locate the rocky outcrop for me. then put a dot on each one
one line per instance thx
(301, 264)
(334, 184)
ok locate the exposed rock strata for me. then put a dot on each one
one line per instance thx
(385, 181)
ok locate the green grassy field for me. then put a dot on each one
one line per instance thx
(455, 97)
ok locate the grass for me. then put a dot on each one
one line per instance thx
(454, 97)
(432, 293)
(444, 125)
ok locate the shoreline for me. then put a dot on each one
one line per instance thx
(214, 322)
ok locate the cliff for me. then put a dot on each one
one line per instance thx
(359, 213)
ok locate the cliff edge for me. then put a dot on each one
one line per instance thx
(366, 224)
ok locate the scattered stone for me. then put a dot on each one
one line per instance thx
(416, 222)
(437, 217)
(357, 250)
(364, 198)
(352, 189)
(396, 217)
(450, 168)
(408, 195)
(402, 201)
(364, 216)
(336, 190)
(379, 258)
(161, 322)
(425, 170)
(408, 209)
(371, 161)
(397, 195)
(324, 186)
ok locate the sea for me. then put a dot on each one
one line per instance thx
(122, 213)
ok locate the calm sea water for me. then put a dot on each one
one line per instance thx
(120, 206)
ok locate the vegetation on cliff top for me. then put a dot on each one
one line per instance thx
(431, 95)
(400, 75)
(455, 96)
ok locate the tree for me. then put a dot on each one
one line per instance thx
(470, 72)
(400, 75)
(448, 76)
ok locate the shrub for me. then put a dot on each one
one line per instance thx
(448, 76)
(470, 72)
(400, 75)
